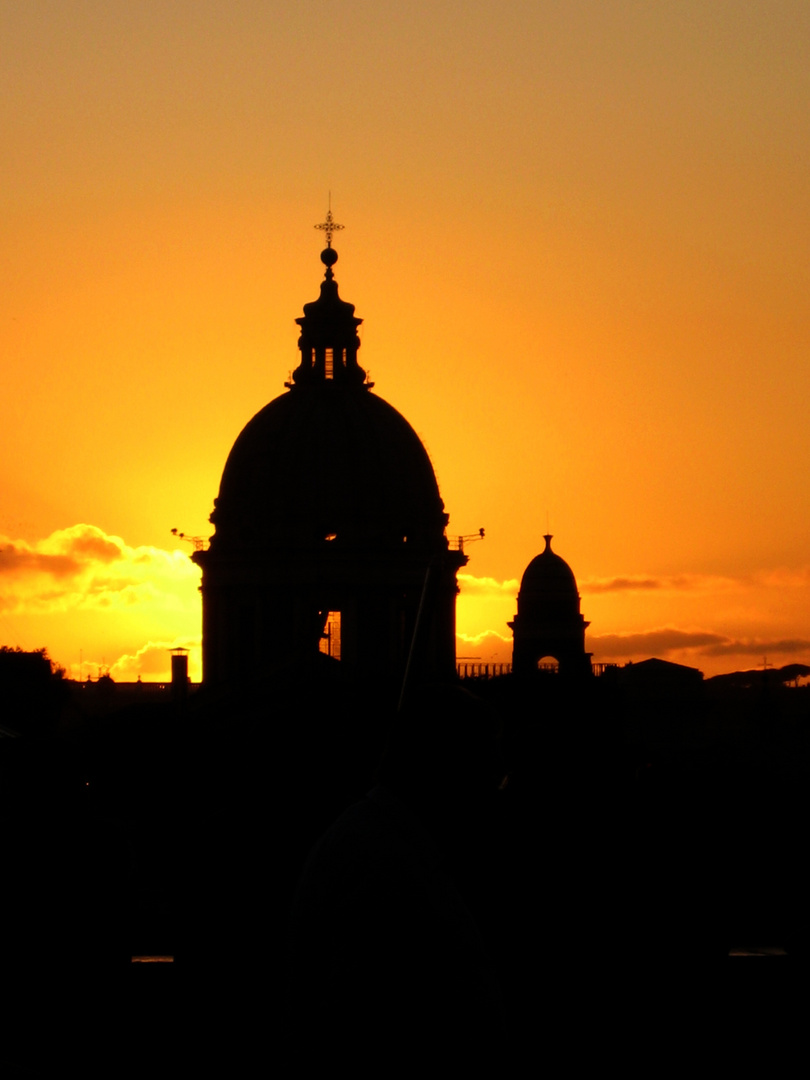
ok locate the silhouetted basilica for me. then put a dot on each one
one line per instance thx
(329, 528)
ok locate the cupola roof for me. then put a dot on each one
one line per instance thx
(547, 574)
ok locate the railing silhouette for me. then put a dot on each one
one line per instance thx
(482, 671)
(491, 671)
(601, 669)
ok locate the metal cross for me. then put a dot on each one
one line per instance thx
(329, 226)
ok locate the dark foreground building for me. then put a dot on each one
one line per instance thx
(330, 531)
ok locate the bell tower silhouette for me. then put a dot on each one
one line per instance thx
(548, 621)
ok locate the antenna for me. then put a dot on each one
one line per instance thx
(199, 542)
(469, 538)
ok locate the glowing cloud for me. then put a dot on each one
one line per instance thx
(82, 567)
(487, 586)
(150, 661)
(124, 606)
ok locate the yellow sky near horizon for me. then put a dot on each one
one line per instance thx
(578, 236)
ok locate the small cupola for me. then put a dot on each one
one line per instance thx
(549, 623)
(329, 340)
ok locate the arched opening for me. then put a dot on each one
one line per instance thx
(550, 665)
(330, 638)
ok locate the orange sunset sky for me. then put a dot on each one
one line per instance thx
(578, 234)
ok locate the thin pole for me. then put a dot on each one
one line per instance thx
(414, 635)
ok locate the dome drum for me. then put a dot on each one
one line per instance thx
(263, 617)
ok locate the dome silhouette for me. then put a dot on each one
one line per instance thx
(548, 581)
(329, 526)
(329, 462)
(548, 621)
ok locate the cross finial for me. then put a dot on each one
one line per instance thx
(330, 225)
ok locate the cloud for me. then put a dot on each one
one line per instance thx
(620, 584)
(487, 586)
(782, 578)
(696, 643)
(670, 583)
(152, 661)
(779, 578)
(674, 583)
(91, 543)
(694, 647)
(652, 642)
(82, 567)
(487, 647)
(17, 560)
(486, 635)
(760, 647)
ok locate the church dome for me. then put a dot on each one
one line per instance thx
(328, 461)
(329, 527)
(548, 576)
